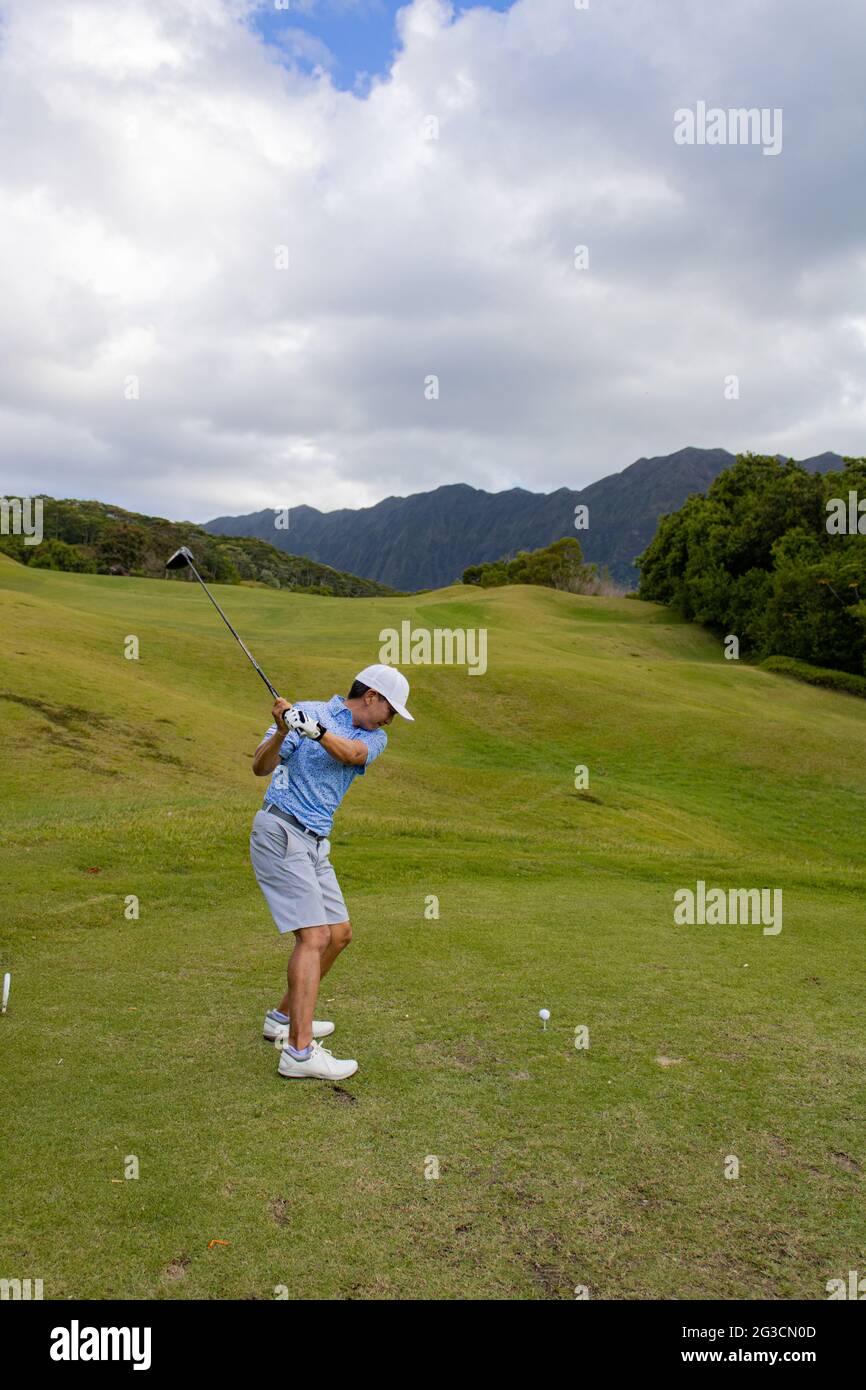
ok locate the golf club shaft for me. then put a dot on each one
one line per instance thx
(243, 646)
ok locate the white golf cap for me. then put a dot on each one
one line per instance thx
(391, 683)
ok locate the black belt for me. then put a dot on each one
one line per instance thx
(291, 820)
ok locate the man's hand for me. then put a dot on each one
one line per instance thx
(305, 724)
(278, 711)
(267, 755)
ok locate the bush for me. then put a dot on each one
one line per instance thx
(556, 566)
(845, 681)
(754, 557)
(57, 555)
(120, 546)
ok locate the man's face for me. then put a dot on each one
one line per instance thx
(375, 711)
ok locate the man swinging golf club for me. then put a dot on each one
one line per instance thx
(311, 767)
(328, 744)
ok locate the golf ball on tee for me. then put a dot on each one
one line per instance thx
(544, 1014)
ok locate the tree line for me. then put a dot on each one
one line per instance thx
(96, 538)
(774, 554)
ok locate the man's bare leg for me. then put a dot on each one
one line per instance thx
(339, 937)
(304, 974)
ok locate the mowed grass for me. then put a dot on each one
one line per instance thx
(559, 1167)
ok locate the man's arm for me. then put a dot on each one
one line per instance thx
(351, 751)
(267, 755)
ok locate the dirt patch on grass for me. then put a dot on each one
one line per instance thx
(151, 749)
(279, 1210)
(462, 1058)
(466, 1060)
(71, 717)
(847, 1162)
(67, 720)
(551, 1264)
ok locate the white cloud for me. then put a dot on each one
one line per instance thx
(153, 157)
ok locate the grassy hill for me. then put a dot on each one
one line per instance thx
(100, 538)
(559, 1167)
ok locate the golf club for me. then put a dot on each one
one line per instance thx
(184, 559)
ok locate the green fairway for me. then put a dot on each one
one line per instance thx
(558, 1168)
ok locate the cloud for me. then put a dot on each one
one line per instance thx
(156, 158)
(305, 47)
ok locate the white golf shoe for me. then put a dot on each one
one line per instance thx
(274, 1031)
(319, 1066)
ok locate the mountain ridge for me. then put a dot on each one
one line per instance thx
(427, 539)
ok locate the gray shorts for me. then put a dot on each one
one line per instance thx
(295, 875)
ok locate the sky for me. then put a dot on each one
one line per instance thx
(324, 252)
(354, 41)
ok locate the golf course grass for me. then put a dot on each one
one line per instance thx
(560, 1169)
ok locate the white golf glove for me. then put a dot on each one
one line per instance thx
(304, 724)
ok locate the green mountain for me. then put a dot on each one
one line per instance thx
(97, 538)
(428, 539)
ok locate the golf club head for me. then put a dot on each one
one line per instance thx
(180, 559)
